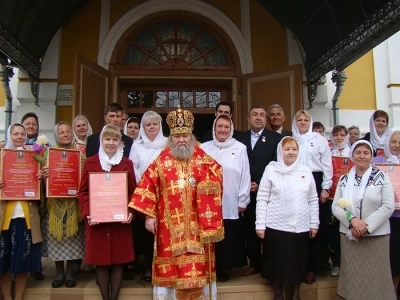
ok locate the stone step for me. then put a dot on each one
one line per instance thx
(237, 288)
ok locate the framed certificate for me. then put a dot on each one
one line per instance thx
(341, 165)
(65, 172)
(108, 196)
(393, 170)
(81, 147)
(380, 151)
(18, 170)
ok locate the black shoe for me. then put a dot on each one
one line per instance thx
(147, 276)
(37, 275)
(70, 283)
(57, 283)
(222, 276)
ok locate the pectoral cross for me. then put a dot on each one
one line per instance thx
(181, 182)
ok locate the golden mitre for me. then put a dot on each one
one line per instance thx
(180, 121)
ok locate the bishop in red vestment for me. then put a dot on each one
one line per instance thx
(180, 194)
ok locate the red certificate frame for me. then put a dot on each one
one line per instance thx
(341, 165)
(380, 151)
(393, 171)
(108, 196)
(81, 147)
(18, 170)
(65, 172)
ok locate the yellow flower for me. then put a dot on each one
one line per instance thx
(343, 202)
(42, 140)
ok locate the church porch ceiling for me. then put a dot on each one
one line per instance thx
(331, 33)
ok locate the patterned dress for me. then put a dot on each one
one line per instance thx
(68, 244)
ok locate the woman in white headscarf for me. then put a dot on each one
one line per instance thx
(132, 127)
(340, 147)
(286, 217)
(62, 226)
(232, 156)
(364, 202)
(108, 245)
(315, 153)
(144, 150)
(392, 156)
(20, 234)
(379, 130)
(82, 129)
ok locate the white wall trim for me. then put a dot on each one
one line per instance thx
(245, 19)
(104, 20)
(153, 6)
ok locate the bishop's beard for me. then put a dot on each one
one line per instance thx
(182, 151)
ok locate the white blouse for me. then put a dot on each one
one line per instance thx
(345, 152)
(236, 176)
(142, 157)
(319, 159)
(297, 211)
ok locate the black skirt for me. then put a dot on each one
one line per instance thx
(17, 253)
(285, 256)
(395, 245)
(230, 252)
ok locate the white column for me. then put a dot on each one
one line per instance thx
(46, 110)
(393, 46)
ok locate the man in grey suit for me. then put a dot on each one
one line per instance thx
(276, 117)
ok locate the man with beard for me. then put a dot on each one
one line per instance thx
(180, 194)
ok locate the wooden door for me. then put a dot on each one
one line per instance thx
(91, 91)
(282, 86)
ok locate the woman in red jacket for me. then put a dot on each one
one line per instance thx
(108, 245)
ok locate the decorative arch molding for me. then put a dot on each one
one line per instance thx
(195, 6)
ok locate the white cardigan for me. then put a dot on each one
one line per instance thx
(236, 176)
(294, 214)
(376, 207)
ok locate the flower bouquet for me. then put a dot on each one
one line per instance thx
(41, 147)
(346, 204)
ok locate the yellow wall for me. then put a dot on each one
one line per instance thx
(268, 39)
(79, 35)
(119, 7)
(2, 96)
(230, 8)
(359, 88)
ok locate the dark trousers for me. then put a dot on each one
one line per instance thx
(318, 254)
(253, 242)
(143, 241)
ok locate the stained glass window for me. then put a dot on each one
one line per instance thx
(175, 40)
(173, 98)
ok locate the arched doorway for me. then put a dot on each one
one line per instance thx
(166, 61)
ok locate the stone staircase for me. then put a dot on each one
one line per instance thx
(237, 288)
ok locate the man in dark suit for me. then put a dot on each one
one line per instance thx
(222, 108)
(276, 117)
(112, 115)
(261, 146)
